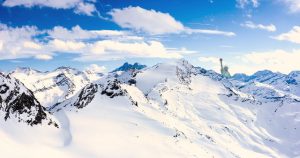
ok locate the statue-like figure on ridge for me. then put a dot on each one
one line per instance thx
(224, 70)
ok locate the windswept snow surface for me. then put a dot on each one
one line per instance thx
(170, 110)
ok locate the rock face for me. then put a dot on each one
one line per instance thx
(55, 86)
(110, 87)
(17, 102)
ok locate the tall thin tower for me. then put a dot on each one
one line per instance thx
(222, 68)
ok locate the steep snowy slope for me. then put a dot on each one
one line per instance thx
(202, 112)
(168, 110)
(56, 86)
(250, 126)
(18, 103)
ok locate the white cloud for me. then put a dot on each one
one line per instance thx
(109, 33)
(66, 46)
(277, 60)
(150, 21)
(86, 7)
(181, 50)
(213, 60)
(19, 42)
(77, 33)
(245, 3)
(1, 45)
(292, 36)
(113, 50)
(293, 5)
(249, 63)
(251, 25)
(94, 68)
(29, 42)
(43, 57)
(154, 22)
(212, 32)
(31, 45)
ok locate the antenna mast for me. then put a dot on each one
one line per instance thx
(221, 61)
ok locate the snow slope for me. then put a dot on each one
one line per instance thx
(168, 110)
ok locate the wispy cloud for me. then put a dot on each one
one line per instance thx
(213, 60)
(211, 32)
(245, 3)
(291, 36)
(77, 33)
(43, 57)
(85, 7)
(293, 5)
(251, 25)
(155, 22)
(94, 68)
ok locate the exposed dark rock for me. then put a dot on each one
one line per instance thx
(113, 89)
(17, 102)
(86, 95)
(3, 88)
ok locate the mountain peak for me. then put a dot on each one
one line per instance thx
(65, 68)
(126, 66)
(294, 73)
(241, 77)
(183, 62)
(260, 76)
(26, 70)
(263, 73)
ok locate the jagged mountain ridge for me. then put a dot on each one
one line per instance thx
(55, 86)
(171, 93)
(270, 86)
(126, 66)
(271, 78)
(195, 112)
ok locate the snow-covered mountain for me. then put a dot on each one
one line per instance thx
(18, 103)
(169, 110)
(270, 86)
(55, 86)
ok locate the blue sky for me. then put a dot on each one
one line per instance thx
(250, 35)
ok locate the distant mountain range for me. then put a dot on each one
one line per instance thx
(126, 66)
(269, 85)
(168, 110)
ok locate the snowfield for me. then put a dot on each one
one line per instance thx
(171, 110)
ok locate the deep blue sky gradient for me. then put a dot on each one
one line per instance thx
(198, 14)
